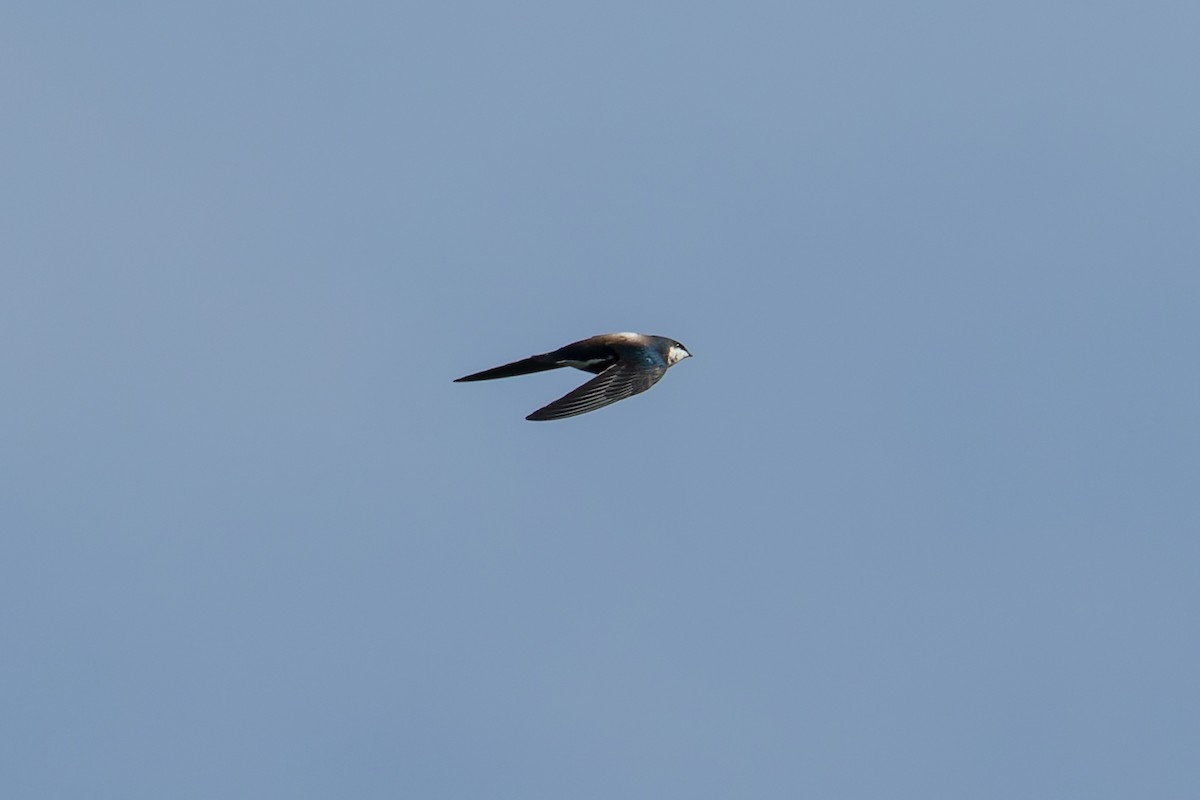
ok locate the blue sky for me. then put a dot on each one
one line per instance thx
(919, 520)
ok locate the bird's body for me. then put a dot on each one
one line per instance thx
(624, 363)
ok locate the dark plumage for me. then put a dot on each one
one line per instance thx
(624, 364)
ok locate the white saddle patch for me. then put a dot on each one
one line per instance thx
(585, 364)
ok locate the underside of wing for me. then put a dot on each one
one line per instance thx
(616, 383)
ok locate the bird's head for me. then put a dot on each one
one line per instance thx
(676, 353)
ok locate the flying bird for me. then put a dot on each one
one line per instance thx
(624, 365)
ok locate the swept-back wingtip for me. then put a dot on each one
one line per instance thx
(523, 367)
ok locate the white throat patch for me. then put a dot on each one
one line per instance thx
(676, 354)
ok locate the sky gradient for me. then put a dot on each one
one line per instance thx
(919, 520)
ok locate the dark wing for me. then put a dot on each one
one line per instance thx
(522, 367)
(621, 380)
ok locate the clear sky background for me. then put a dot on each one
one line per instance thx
(919, 520)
